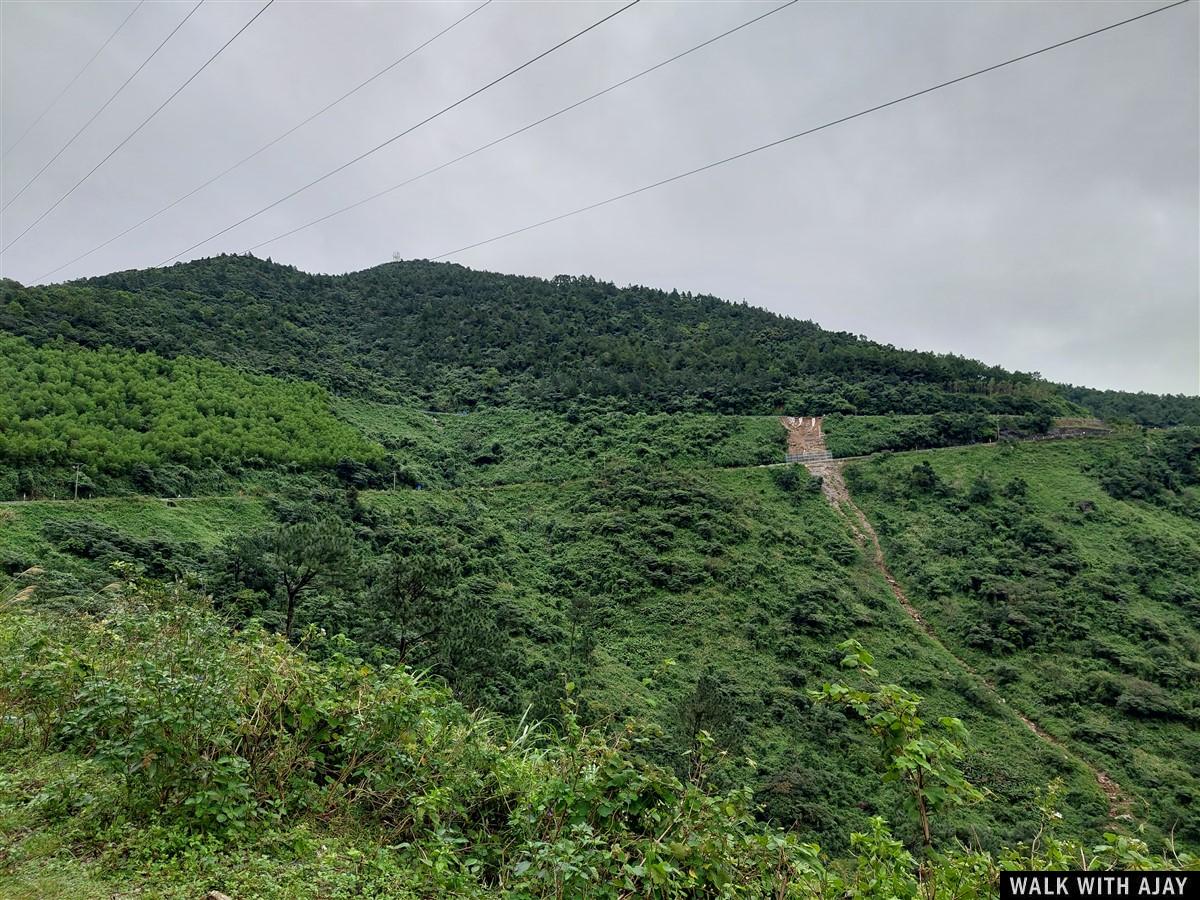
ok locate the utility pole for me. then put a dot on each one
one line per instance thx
(393, 479)
(78, 466)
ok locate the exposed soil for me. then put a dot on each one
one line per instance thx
(804, 434)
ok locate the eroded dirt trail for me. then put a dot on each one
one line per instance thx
(833, 486)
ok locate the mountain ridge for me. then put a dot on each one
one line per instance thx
(455, 338)
(450, 337)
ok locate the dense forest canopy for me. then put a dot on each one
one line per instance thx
(1140, 408)
(116, 410)
(452, 338)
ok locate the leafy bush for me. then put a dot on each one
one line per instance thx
(794, 478)
(192, 757)
(1146, 701)
(1172, 461)
(158, 557)
(924, 479)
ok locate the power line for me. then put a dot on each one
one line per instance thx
(406, 131)
(96, 114)
(522, 130)
(143, 124)
(270, 144)
(71, 83)
(808, 131)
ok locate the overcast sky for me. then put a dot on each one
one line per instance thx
(1043, 217)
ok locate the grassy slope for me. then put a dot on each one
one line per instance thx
(727, 574)
(1120, 622)
(200, 522)
(721, 570)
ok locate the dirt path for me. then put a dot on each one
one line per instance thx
(833, 486)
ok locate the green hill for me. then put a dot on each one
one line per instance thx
(446, 337)
(563, 505)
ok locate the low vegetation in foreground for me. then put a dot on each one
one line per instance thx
(743, 579)
(151, 750)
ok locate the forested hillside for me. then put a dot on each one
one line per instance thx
(518, 549)
(743, 579)
(516, 445)
(1141, 408)
(422, 581)
(141, 420)
(446, 337)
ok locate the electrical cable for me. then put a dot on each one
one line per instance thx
(268, 145)
(143, 124)
(96, 114)
(401, 134)
(512, 134)
(71, 83)
(808, 131)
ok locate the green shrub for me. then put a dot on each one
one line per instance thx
(1146, 701)
(792, 479)
(173, 755)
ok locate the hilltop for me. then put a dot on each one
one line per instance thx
(445, 337)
